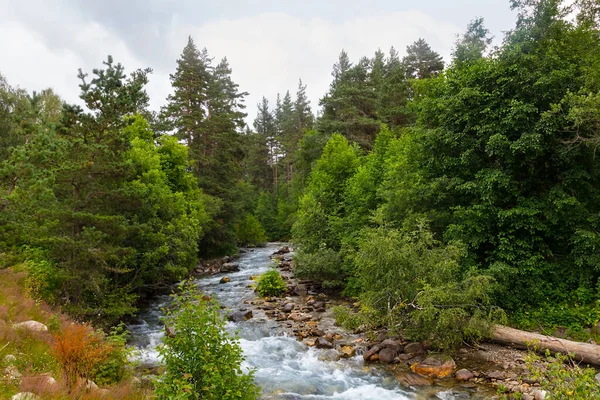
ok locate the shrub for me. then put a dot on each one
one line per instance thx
(79, 350)
(562, 378)
(323, 265)
(114, 368)
(202, 360)
(250, 232)
(271, 284)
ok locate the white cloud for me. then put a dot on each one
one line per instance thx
(268, 52)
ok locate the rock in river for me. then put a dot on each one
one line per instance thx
(240, 316)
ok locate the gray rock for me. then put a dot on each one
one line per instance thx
(539, 395)
(323, 343)
(412, 379)
(288, 307)
(33, 326)
(12, 372)
(9, 359)
(463, 375)
(393, 345)
(495, 375)
(329, 355)
(373, 350)
(25, 396)
(230, 267)
(414, 348)
(527, 396)
(386, 356)
(240, 316)
(598, 377)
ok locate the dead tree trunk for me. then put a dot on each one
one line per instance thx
(586, 352)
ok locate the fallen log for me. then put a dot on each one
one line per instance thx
(585, 352)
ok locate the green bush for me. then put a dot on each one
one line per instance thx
(324, 265)
(562, 378)
(115, 367)
(202, 360)
(271, 284)
(250, 232)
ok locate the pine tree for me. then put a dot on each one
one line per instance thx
(186, 107)
(421, 61)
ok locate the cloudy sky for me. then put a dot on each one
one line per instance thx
(270, 44)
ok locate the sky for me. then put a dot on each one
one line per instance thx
(270, 44)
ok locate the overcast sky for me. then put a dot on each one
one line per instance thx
(270, 44)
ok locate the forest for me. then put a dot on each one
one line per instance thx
(446, 196)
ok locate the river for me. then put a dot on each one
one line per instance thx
(284, 368)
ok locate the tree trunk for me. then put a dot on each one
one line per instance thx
(588, 353)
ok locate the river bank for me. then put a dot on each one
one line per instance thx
(306, 314)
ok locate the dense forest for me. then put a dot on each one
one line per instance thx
(444, 195)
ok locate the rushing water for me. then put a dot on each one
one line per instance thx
(285, 368)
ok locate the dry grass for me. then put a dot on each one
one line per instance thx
(35, 359)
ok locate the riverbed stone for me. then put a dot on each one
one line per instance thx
(435, 367)
(347, 351)
(499, 375)
(240, 316)
(392, 345)
(288, 307)
(230, 267)
(387, 355)
(225, 279)
(323, 343)
(412, 379)
(373, 350)
(329, 355)
(299, 317)
(463, 375)
(414, 348)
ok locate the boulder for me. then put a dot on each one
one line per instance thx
(288, 307)
(225, 279)
(386, 356)
(435, 367)
(392, 345)
(299, 317)
(323, 343)
(25, 396)
(373, 350)
(539, 395)
(240, 316)
(412, 379)
(329, 355)
(33, 326)
(300, 290)
(230, 267)
(463, 375)
(495, 375)
(414, 348)
(347, 351)
(283, 250)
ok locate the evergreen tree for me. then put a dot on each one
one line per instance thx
(421, 61)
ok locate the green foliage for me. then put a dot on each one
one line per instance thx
(202, 360)
(250, 232)
(116, 366)
(323, 265)
(348, 319)
(563, 378)
(271, 284)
